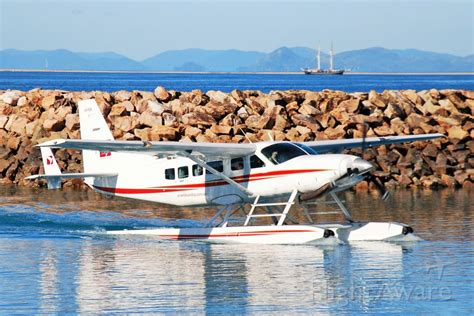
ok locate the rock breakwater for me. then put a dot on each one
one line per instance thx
(31, 117)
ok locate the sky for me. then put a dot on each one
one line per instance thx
(143, 28)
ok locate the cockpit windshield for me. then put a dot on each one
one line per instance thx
(309, 150)
(279, 153)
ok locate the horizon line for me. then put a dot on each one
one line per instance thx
(350, 73)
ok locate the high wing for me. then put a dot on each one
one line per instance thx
(325, 146)
(210, 150)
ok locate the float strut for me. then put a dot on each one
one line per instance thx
(344, 210)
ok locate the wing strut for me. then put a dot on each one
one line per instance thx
(201, 163)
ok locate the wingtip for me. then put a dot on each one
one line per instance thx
(33, 177)
(51, 143)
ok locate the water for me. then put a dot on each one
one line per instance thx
(227, 82)
(55, 258)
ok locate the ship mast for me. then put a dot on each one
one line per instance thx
(330, 58)
(319, 58)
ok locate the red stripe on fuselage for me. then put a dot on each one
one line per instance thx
(212, 183)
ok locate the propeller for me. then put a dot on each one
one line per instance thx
(378, 185)
(365, 128)
(370, 177)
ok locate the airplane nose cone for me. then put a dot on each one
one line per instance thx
(361, 166)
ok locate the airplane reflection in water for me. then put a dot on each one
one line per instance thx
(141, 275)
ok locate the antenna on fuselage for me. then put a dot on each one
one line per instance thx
(245, 135)
(270, 136)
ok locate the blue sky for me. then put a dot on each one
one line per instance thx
(143, 28)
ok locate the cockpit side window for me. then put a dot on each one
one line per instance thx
(279, 153)
(256, 162)
(218, 165)
(237, 164)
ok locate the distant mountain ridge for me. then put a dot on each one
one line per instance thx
(375, 59)
(62, 59)
(209, 60)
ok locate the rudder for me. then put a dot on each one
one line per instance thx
(93, 127)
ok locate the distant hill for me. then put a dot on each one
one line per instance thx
(376, 59)
(190, 66)
(208, 60)
(288, 59)
(63, 59)
(282, 59)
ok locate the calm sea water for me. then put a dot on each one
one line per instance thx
(55, 258)
(227, 82)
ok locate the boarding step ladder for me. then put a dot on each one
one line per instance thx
(226, 214)
(281, 216)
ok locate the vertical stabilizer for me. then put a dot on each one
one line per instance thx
(93, 124)
(94, 127)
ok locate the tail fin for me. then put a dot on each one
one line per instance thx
(93, 124)
(53, 174)
(51, 168)
(93, 127)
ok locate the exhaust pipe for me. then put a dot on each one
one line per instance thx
(315, 194)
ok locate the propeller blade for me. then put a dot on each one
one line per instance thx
(365, 128)
(379, 186)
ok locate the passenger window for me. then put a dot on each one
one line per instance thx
(183, 172)
(256, 162)
(169, 174)
(197, 170)
(237, 164)
(218, 165)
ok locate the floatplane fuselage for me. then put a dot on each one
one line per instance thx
(180, 181)
(228, 176)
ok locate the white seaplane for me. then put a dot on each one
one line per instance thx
(230, 176)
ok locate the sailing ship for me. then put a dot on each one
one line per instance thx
(319, 71)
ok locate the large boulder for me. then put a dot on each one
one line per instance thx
(377, 100)
(122, 95)
(150, 119)
(161, 94)
(169, 119)
(335, 133)
(49, 101)
(219, 96)
(124, 123)
(3, 121)
(54, 124)
(195, 119)
(305, 120)
(257, 121)
(17, 125)
(456, 132)
(218, 109)
(351, 105)
(162, 132)
(10, 97)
